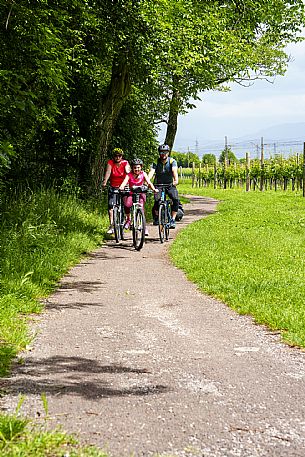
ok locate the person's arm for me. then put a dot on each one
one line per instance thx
(124, 183)
(127, 168)
(151, 173)
(107, 175)
(175, 175)
(149, 183)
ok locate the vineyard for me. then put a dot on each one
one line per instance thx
(277, 173)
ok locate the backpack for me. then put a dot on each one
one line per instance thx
(180, 212)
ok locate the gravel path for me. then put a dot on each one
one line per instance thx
(140, 369)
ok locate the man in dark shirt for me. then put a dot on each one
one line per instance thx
(165, 172)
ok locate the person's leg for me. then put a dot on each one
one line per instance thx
(142, 201)
(155, 208)
(127, 205)
(110, 210)
(173, 195)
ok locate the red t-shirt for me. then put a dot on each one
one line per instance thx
(118, 172)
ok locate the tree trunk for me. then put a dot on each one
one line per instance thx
(173, 116)
(111, 105)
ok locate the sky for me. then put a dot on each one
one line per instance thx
(246, 110)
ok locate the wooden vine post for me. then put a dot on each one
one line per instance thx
(193, 174)
(262, 166)
(247, 172)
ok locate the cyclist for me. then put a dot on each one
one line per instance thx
(116, 170)
(137, 177)
(166, 172)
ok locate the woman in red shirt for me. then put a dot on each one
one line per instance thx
(116, 171)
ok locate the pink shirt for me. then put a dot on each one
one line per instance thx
(136, 181)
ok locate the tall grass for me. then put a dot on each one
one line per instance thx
(251, 255)
(41, 236)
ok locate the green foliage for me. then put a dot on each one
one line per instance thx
(208, 159)
(135, 131)
(57, 63)
(276, 172)
(228, 155)
(186, 159)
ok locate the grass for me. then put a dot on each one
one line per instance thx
(19, 437)
(250, 254)
(41, 236)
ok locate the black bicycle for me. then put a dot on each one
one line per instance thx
(138, 217)
(118, 214)
(164, 213)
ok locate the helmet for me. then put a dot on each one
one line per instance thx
(136, 161)
(117, 152)
(164, 149)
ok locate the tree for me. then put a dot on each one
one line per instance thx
(228, 154)
(208, 159)
(233, 41)
(186, 159)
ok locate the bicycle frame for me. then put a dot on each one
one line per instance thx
(164, 214)
(118, 215)
(138, 218)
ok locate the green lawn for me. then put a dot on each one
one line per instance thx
(251, 255)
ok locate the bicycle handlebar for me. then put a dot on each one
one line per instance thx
(165, 186)
(139, 189)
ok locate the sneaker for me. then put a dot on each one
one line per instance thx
(127, 224)
(155, 221)
(110, 230)
(146, 231)
(172, 224)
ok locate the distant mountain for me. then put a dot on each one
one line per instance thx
(280, 132)
(279, 139)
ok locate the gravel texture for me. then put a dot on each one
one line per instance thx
(135, 359)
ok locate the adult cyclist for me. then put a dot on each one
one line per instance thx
(165, 172)
(116, 171)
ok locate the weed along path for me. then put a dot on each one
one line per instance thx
(133, 358)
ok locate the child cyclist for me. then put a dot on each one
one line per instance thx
(137, 177)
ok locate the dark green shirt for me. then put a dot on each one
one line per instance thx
(163, 171)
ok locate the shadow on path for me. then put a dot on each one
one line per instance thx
(42, 376)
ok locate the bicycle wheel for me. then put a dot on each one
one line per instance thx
(138, 229)
(167, 220)
(162, 222)
(122, 222)
(117, 223)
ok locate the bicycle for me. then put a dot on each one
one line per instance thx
(164, 213)
(118, 214)
(138, 217)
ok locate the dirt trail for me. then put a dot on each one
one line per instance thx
(140, 370)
